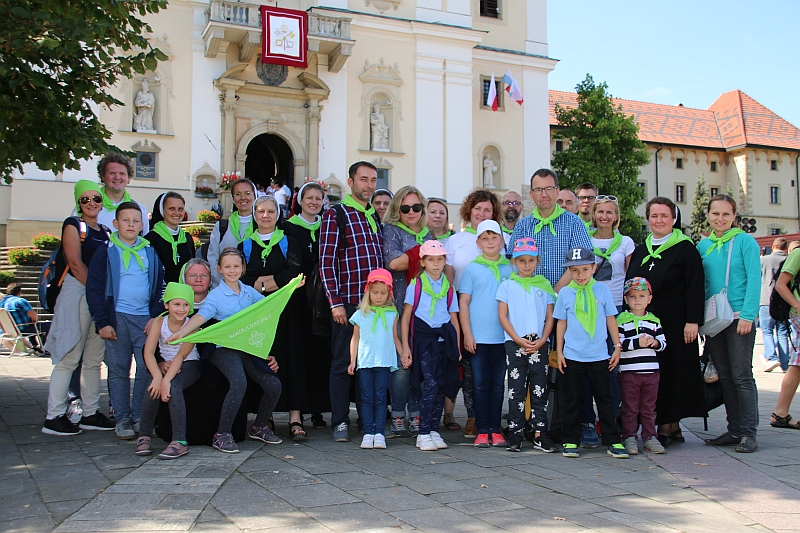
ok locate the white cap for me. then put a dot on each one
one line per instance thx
(488, 225)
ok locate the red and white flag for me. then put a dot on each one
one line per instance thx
(512, 87)
(491, 98)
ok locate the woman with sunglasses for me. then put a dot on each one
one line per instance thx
(70, 339)
(612, 250)
(404, 230)
(238, 227)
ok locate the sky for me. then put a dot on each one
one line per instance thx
(680, 51)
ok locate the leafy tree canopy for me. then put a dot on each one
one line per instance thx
(602, 148)
(58, 58)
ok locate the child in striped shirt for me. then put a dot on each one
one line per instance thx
(641, 337)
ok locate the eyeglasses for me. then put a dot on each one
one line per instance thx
(201, 276)
(246, 194)
(406, 209)
(86, 199)
(606, 197)
(540, 190)
(510, 203)
(589, 198)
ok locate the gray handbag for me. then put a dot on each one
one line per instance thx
(718, 314)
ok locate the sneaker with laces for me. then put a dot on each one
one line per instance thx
(413, 425)
(514, 446)
(570, 450)
(379, 442)
(264, 434)
(482, 441)
(174, 450)
(617, 451)
(631, 447)
(136, 426)
(97, 421)
(75, 411)
(398, 427)
(60, 425)
(368, 442)
(438, 440)
(653, 446)
(143, 446)
(124, 429)
(224, 442)
(341, 433)
(499, 440)
(589, 437)
(426, 444)
(543, 442)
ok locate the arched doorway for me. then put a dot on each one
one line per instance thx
(269, 158)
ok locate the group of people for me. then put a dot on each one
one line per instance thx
(398, 309)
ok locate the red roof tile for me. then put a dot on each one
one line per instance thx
(755, 125)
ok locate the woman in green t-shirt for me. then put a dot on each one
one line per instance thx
(780, 416)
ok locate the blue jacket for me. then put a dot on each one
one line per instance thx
(102, 285)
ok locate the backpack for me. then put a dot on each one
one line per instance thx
(778, 307)
(53, 273)
(247, 248)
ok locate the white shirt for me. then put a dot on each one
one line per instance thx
(280, 196)
(612, 273)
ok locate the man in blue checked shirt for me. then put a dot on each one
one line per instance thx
(23, 314)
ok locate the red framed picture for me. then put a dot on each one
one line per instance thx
(285, 37)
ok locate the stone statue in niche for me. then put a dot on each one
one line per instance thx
(379, 130)
(145, 104)
(489, 168)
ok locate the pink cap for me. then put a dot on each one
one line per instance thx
(432, 247)
(382, 275)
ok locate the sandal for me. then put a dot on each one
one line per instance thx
(298, 435)
(677, 436)
(783, 422)
(450, 422)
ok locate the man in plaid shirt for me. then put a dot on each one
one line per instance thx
(347, 256)
(23, 314)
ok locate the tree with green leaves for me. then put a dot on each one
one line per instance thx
(602, 148)
(58, 60)
(698, 223)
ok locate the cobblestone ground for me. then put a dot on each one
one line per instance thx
(93, 482)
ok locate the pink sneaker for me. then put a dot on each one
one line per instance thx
(499, 440)
(482, 440)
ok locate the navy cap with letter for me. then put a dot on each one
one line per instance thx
(579, 256)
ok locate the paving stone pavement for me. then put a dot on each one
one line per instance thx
(93, 482)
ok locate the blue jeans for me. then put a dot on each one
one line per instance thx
(488, 377)
(399, 384)
(130, 340)
(373, 382)
(776, 337)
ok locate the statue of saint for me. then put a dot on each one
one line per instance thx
(380, 131)
(489, 169)
(145, 104)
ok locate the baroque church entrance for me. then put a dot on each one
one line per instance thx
(269, 158)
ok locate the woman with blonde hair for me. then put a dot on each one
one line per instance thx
(612, 250)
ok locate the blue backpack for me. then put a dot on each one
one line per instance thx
(247, 247)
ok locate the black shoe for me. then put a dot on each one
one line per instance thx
(97, 421)
(514, 446)
(726, 439)
(747, 445)
(318, 422)
(60, 426)
(665, 440)
(544, 443)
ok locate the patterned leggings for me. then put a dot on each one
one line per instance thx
(526, 371)
(466, 387)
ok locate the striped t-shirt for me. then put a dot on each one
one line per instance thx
(635, 358)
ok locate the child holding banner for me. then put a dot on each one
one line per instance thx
(228, 298)
(373, 351)
(183, 370)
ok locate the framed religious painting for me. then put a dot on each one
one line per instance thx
(285, 37)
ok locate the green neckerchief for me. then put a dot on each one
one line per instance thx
(505, 229)
(161, 229)
(539, 282)
(447, 234)
(720, 241)
(297, 220)
(494, 266)
(235, 223)
(380, 312)
(627, 316)
(470, 229)
(587, 224)
(108, 205)
(615, 243)
(585, 305)
(274, 239)
(547, 221)
(128, 251)
(427, 288)
(368, 212)
(676, 237)
(419, 236)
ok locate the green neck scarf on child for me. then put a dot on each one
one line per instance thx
(297, 220)
(494, 266)
(274, 239)
(162, 230)
(719, 242)
(128, 251)
(427, 288)
(585, 306)
(616, 241)
(368, 212)
(380, 312)
(547, 221)
(676, 237)
(626, 316)
(539, 282)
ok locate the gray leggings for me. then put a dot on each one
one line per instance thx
(189, 373)
(236, 366)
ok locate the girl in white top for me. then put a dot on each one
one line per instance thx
(612, 250)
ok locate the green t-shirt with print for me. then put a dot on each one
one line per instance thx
(792, 266)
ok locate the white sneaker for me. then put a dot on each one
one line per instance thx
(426, 444)
(771, 365)
(630, 446)
(438, 440)
(368, 442)
(654, 446)
(379, 442)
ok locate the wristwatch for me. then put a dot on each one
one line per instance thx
(263, 289)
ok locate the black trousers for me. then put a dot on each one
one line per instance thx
(598, 374)
(341, 382)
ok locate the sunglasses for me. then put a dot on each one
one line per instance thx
(86, 199)
(406, 209)
(607, 197)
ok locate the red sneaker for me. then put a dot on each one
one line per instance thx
(499, 440)
(482, 440)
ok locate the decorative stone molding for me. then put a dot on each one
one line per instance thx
(383, 5)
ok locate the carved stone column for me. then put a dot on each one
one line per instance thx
(228, 97)
(312, 120)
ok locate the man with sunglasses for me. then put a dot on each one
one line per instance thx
(512, 209)
(587, 195)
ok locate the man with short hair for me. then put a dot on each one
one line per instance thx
(775, 332)
(512, 210)
(280, 196)
(568, 201)
(347, 254)
(587, 195)
(116, 171)
(23, 314)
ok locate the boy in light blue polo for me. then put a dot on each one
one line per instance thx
(586, 314)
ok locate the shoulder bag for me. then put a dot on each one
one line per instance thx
(718, 314)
